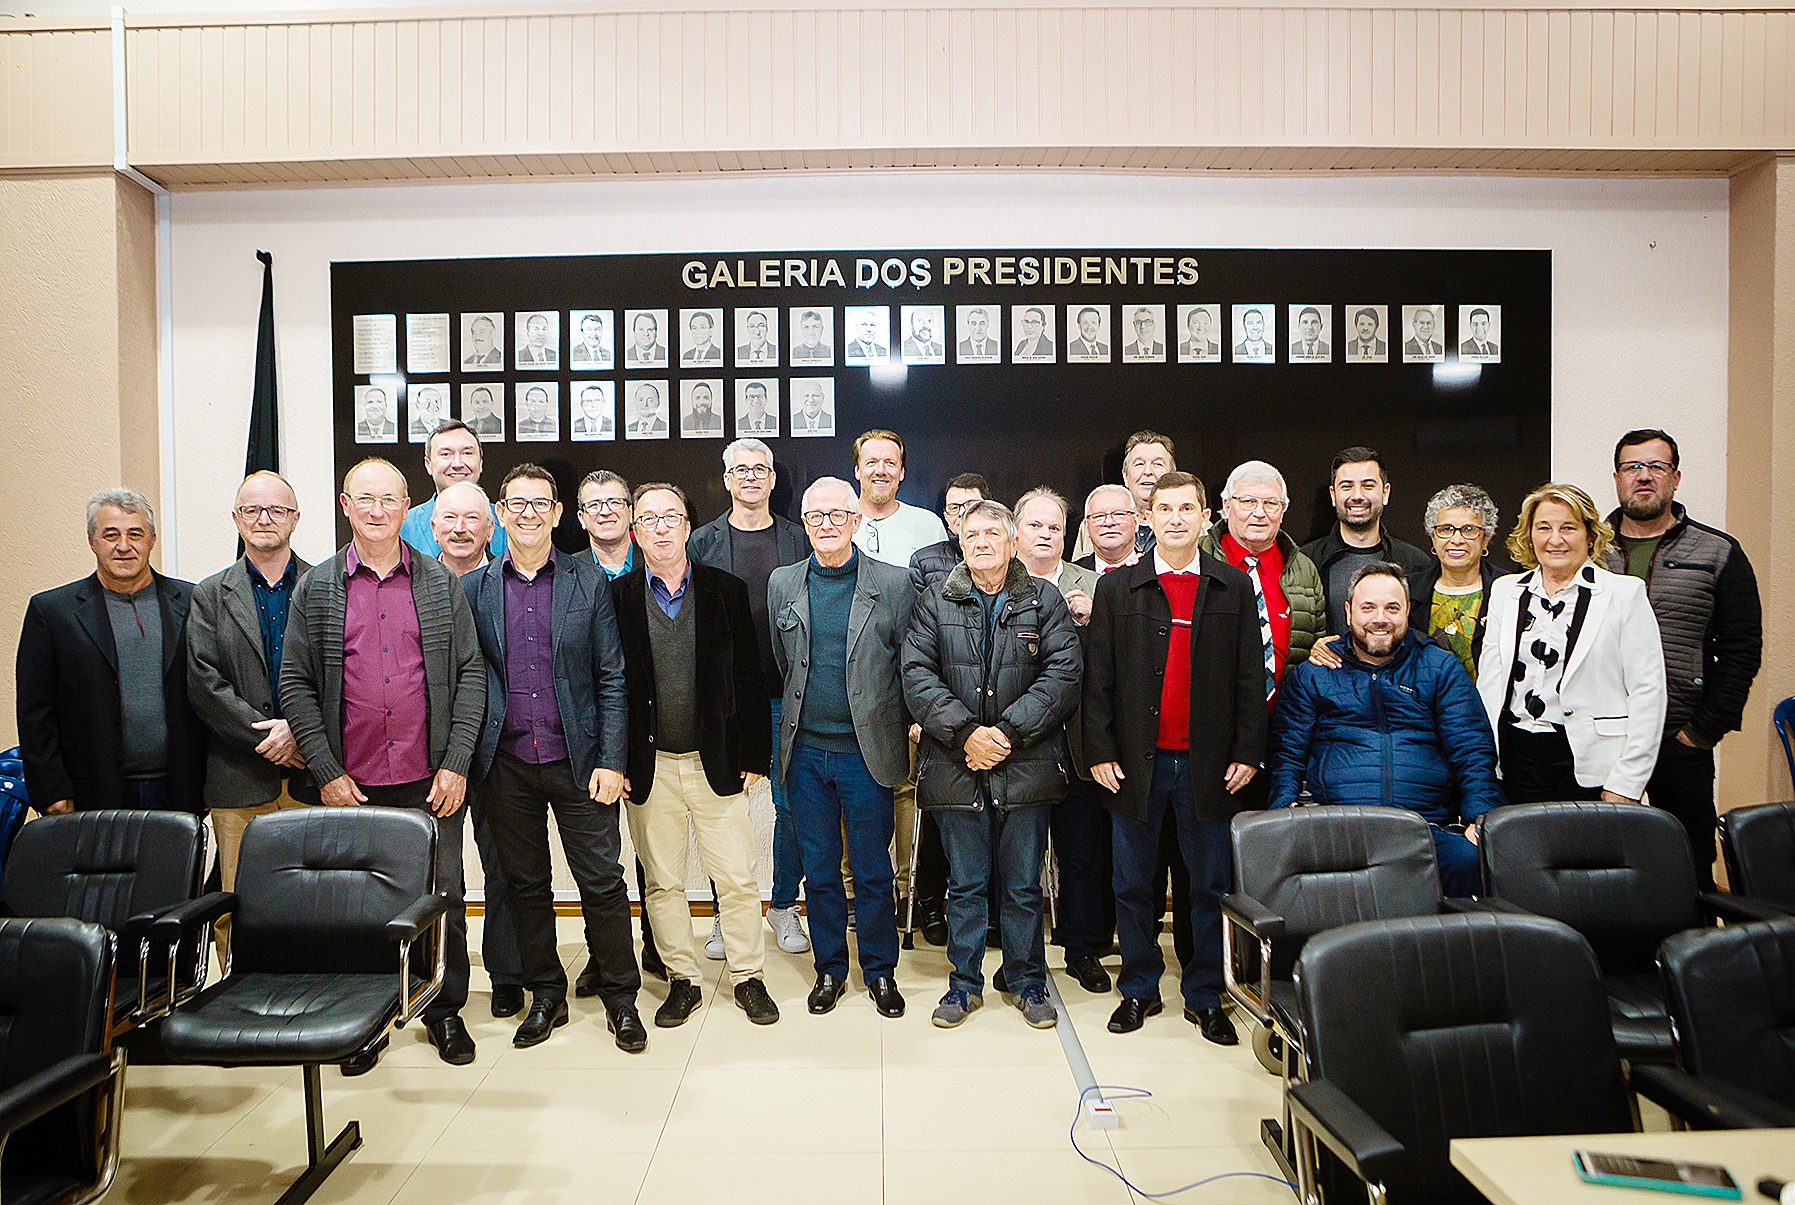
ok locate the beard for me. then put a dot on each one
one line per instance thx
(1646, 509)
(1376, 644)
(1366, 524)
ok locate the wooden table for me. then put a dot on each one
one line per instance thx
(1538, 1171)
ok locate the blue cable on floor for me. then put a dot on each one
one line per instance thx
(1122, 1092)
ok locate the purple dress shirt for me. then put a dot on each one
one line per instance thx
(532, 731)
(386, 721)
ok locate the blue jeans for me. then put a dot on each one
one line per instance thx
(1460, 875)
(143, 795)
(1018, 838)
(1207, 861)
(830, 792)
(788, 864)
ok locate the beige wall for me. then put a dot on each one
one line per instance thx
(78, 272)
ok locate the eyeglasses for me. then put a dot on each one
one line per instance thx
(750, 472)
(1467, 533)
(598, 506)
(533, 506)
(827, 518)
(370, 501)
(249, 514)
(959, 508)
(1657, 468)
(664, 522)
(1106, 518)
(1270, 506)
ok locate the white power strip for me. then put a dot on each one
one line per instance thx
(1099, 1114)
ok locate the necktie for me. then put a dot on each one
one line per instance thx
(1271, 655)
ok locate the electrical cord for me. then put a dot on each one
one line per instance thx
(1122, 1092)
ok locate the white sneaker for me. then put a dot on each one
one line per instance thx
(789, 929)
(713, 946)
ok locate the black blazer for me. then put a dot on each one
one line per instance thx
(71, 727)
(588, 664)
(1125, 655)
(1421, 601)
(735, 728)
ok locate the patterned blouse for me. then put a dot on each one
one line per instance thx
(1547, 627)
(1454, 614)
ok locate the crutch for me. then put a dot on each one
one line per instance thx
(909, 942)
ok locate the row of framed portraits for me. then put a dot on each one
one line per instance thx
(385, 412)
(1098, 333)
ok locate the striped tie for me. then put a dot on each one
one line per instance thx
(1271, 654)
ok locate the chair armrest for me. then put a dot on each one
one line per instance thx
(1251, 915)
(410, 924)
(173, 924)
(55, 1085)
(1709, 1104)
(1344, 1128)
(1739, 909)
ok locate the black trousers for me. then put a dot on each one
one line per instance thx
(517, 798)
(1538, 767)
(1683, 785)
(1087, 901)
(415, 795)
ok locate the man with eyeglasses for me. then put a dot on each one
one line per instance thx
(1109, 524)
(933, 563)
(750, 541)
(103, 711)
(554, 741)
(604, 512)
(1710, 619)
(382, 682)
(698, 739)
(839, 620)
(451, 454)
(236, 630)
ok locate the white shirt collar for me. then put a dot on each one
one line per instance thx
(1161, 567)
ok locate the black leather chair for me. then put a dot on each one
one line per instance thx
(1299, 872)
(1622, 876)
(1419, 1031)
(1758, 844)
(118, 869)
(327, 906)
(1732, 1007)
(61, 1081)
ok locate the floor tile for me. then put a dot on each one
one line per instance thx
(564, 1110)
(1162, 1170)
(762, 1178)
(535, 1178)
(232, 1178)
(996, 1175)
(186, 1109)
(399, 1109)
(978, 1108)
(745, 1110)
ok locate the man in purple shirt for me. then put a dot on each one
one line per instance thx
(554, 738)
(383, 687)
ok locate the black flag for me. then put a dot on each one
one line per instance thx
(264, 415)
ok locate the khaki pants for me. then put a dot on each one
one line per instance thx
(682, 798)
(227, 829)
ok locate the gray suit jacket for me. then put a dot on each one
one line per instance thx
(311, 668)
(227, 684)
(877, 621)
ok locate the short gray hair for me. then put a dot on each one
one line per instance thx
(1042, 493)
(1108, 485)
(737, 447)
(1462, 497)
(804, 502)
(1255, 470)
(127, 500)
(989, 508)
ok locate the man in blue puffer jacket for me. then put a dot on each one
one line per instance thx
(1398, 725)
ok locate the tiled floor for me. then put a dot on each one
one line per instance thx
(849, 1108)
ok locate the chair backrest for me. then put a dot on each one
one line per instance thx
(1732, 1003)
(1618, 873)
(1784, 719)
(106, 866)
(1323, 867)
(55, 996)
(316, 887)
(1759, 846)
(1461, 1026)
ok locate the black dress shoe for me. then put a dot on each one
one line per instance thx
(544, 1017)
(825, 994)
(999, 984)
(1214, 1024)
(587, 984)
(932, 921)
(1130, 1015)
(651, 962)
(450, 1037)
(886, 997)
(363, 1060)
(1089, 972)
(683, 999)
(751, 994)
(507, 999)
(624, 1021)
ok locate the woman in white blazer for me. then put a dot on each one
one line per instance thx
(1572, 671)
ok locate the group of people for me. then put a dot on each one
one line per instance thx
(951, 686)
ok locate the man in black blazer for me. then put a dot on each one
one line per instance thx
(1174, 721)
(554, 739)
(103, 715)
(699, 737)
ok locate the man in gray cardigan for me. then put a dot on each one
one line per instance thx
(385, 690)
(838, 623)
(236, 631)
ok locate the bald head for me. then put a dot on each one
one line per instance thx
(375, 476)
